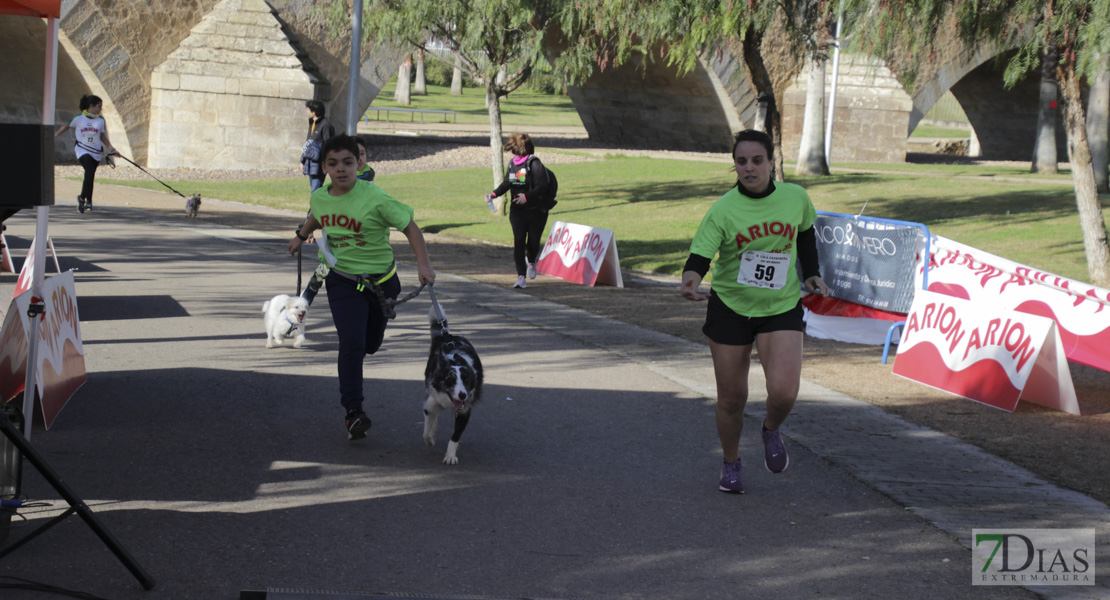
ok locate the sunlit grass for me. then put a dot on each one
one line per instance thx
(521, 108)
(655, 205)
(933, 131)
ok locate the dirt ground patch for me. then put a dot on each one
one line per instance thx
(1067, 450)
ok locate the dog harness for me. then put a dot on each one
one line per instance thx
(292, 324)
(374, 282)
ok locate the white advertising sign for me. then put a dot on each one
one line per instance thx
(581, 254)
(985, 354)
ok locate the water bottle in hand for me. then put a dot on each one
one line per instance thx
(489, 202)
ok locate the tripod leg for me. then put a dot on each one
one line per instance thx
(76, 504)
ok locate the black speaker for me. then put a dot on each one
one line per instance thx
(26, 165)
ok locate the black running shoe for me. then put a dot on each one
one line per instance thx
(80, 205)
(357, 425)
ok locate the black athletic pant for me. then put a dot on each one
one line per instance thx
(90, 165)
(528, 227)
(360, 324)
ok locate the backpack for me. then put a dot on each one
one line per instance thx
(548, 202)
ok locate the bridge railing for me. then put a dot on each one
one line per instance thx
(412, 112)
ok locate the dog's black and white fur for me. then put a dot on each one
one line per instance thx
(452, 379)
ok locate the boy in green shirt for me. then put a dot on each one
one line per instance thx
(357, 216)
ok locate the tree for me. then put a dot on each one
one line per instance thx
(483, 35)
(811, 151)
(420, 87)
(692, 29)
(1044, 149)
(402, 94)
(1098, 127)
(1078, 29)
(456, 78)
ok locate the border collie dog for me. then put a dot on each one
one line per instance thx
(452, 379)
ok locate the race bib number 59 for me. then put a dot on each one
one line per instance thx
(763, 269)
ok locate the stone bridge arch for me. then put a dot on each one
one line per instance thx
(1003, 119)
(172, 73)
(129, 51)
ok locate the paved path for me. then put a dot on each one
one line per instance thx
(589, 470)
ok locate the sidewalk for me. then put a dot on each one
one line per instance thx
(588, 471)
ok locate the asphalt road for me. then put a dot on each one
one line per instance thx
(588, 471)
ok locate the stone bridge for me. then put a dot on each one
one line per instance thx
(221, 84)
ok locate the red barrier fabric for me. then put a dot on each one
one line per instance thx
(31, 8)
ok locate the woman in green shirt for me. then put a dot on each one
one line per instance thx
(757, 230)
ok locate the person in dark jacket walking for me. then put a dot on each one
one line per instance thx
(319, 130)
(529, 186)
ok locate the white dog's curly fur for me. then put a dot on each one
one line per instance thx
(284, 317)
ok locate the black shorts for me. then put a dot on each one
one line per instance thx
(724, 326)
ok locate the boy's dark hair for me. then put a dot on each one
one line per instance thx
(89, 100)
(519, 144)
(752, 135)
(339, 142)
(361, 142)
(316, 107)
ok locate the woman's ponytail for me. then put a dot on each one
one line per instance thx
(89, 100)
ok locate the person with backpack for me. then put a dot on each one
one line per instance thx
(532, 188)
(320, 130)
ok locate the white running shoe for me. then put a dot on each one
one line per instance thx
(520, 283)
(531, 271)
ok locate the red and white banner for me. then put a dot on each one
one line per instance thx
(831, 318)
(61, 355)
(581, 254)
(27, 273)
(6, 265)
(986, 354)
(1080, 310)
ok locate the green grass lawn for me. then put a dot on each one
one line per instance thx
(932, 131)
(953, 170)
(522, 107)
(655, 205)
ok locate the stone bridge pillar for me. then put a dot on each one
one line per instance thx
(872, 115)
(232, 95)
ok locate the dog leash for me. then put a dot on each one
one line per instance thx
(442, 320)
(388, 304)
(151, 175)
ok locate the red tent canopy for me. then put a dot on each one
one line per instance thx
(32, 8)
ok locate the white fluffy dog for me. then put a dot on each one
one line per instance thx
(284, 316)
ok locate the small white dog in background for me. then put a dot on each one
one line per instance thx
(284, 316)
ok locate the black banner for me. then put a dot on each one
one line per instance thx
(868, 262)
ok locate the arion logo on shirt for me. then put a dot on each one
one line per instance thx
(519, 176)
(775, 228)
